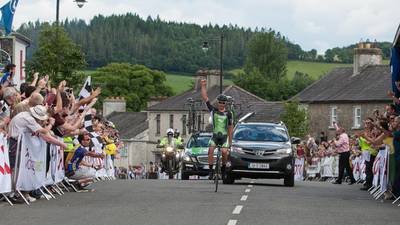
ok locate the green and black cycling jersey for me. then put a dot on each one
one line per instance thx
(220, 120)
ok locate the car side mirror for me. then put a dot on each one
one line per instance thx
(295, 140)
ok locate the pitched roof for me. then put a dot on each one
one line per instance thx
(245, 102)
(266, 112)
(340, 85)
(129, 124)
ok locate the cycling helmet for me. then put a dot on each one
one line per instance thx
(222, 98)
(176, 132)
(170, 131)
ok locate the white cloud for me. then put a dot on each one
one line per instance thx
(316, 24)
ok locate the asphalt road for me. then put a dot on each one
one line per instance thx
(175, 202)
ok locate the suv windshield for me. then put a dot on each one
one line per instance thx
(199, 141)
(259, 132)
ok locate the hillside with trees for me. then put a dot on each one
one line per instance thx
(169, 46)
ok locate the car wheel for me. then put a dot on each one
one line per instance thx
(185, 176)
(228, 179)
(289, 180)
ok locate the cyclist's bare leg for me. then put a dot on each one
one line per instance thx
(211, 162)
(224, 155)
(211, 155)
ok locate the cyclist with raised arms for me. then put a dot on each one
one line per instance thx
(222, 124)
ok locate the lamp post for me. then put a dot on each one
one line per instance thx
(221, 54)
(80, 4)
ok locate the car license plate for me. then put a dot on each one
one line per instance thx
(259, 165)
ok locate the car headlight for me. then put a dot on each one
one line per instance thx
(170, 149)
(186, 158)
(284, 151)
(238, 150)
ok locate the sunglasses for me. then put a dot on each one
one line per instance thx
(222, 103)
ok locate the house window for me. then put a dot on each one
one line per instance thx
(184, 121)
(357, 117)
(158, 126)
(171, 121)
(333, 115)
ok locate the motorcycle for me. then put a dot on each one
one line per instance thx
(171, 156)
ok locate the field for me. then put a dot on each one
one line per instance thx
(314, 69)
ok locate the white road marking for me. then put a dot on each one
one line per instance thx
(247, 190)
(244, 198)
(237, 209)
(252, 181)
(250, 186)
(232, 222)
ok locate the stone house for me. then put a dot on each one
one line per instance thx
(348, 95)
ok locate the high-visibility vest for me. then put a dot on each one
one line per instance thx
(70, 144)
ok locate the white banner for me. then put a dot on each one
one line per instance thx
(327, 166)
(383, 169)
(109, 165)
(376, 167)
(358, 168)
(314, 168)
(32, 167)
(299, 169)
(5, 171)
(52, 165)
(59, 166)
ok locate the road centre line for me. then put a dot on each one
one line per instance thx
(244, 198)
(232, 222)
(250, 186)
(247, 190)
(237, 209)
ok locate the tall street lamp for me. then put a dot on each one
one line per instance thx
(80, 4)
(221, 44)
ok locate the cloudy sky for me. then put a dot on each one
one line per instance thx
(318, 24)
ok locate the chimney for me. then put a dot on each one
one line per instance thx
(155, 100)
(113, 104)
(366, 54)
(212, 77)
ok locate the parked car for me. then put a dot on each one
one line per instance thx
(261, 150)
(195, 159)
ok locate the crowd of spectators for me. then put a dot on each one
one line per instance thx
(380, 131)
(56, 116)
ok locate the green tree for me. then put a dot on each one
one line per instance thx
(296, 119)
(268, 54)
(136, 83)
(56, 55)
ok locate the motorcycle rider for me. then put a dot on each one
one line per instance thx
(178, 138)
(222, 123)
(168, 140)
